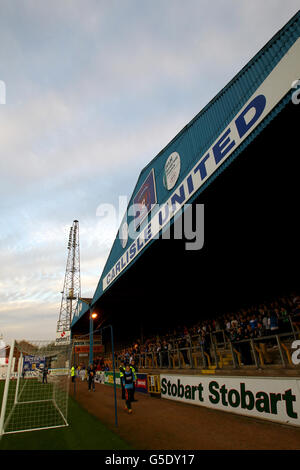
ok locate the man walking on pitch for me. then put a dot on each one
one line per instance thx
(134, 369)
(122, 372)
(129, 382)
(73, 373)
(45, 373)
(91, 377)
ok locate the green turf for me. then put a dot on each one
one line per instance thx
(84, 432)
(27, 415)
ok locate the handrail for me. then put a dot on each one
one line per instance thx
(150, 359)
(238, 356)
(287, 353)
(221, 359)
(208, 358)
(260, 353)
(224, 332)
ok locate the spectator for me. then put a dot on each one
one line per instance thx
(253, 322)
(164, 354)
(122, 372)
(134, 369)
(182, 344)
(129, 382)
(284, 321)
(248, 334)
(274, 327)
(261, 333)
(296, 316)
(267, 322)
(157, 353)
(296, 300)
(45, 374)
(257, 321)
(204, 340)
(91, 377)
(236, 337)
(234, 322)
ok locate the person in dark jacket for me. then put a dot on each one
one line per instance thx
(183, 345)
(249, 334)
(241, 348)
(122, 372)
(204, 341)
(91, 376)
(45, 374)
(164, 354)
(134, 369)
(129, 382)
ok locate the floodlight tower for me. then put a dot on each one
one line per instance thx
(72, 287)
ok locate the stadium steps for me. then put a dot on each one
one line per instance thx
(225, 358)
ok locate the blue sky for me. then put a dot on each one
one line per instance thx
(94, 90)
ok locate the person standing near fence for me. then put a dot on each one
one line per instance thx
(73, 373)
(134, 369)
(129, 382)
(91, 377)
(164, 354)
(204, 340)
(45, 373)
(183, 345)
(122, 372)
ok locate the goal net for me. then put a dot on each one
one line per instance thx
(36, 388)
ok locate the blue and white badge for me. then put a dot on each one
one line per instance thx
(172, 170)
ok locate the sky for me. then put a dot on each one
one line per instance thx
(94, 89)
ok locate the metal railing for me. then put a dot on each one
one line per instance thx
(258, 350)
(233, 356)
(219, 352)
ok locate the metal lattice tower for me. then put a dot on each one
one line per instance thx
(72, 287)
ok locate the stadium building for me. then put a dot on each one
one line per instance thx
(232, 172)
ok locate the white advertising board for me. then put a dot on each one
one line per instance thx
(272, 398)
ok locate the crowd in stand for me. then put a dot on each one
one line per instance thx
(282, 315)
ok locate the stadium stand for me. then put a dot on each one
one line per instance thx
(210, 308)
(258, 335)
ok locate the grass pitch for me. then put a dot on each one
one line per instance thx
(85, 432)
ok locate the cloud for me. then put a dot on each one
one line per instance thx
(95, 90)
(34, 320)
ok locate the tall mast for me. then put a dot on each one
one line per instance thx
(72, 287)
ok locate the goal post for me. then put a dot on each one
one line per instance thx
(36, 388)
(19, 372)
(6, 387)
